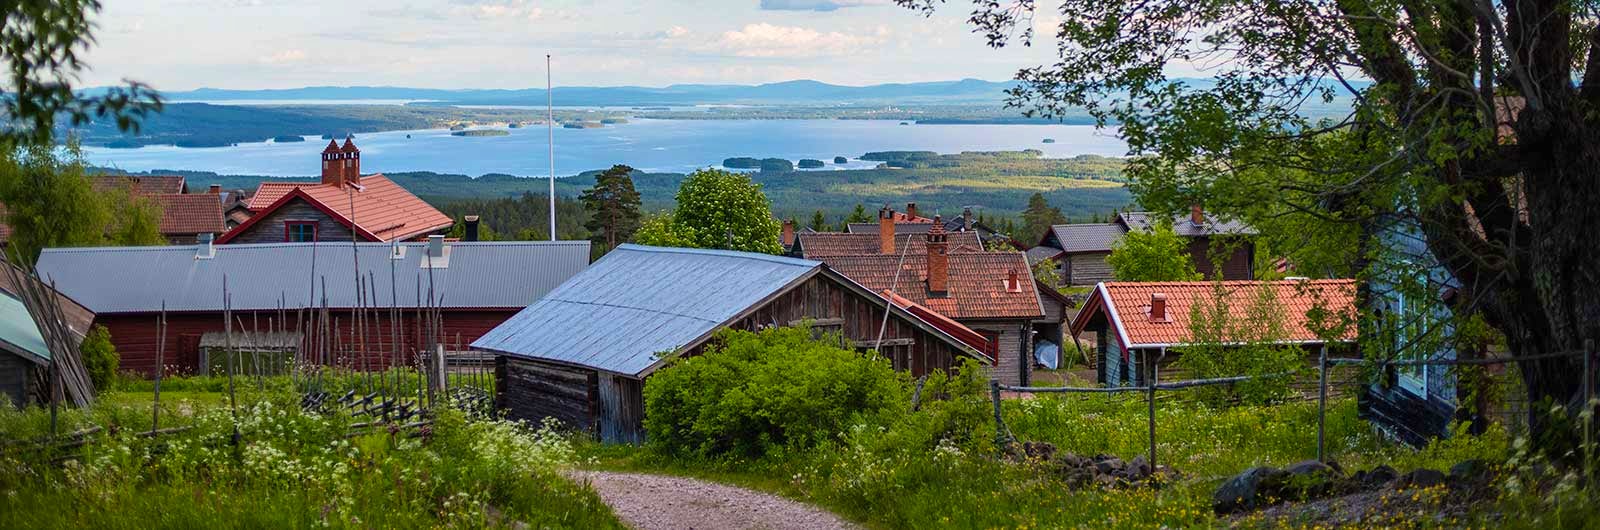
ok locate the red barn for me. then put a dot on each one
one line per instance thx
(474, 286)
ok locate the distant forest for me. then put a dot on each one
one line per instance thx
(997, 184)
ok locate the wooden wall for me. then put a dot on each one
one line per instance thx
(15, 373)
(134, 335)
(529, 390)
(1087, 268)
(270, 229)
(1238, 265)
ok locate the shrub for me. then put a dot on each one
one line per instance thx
(100, 357)
(752, 394)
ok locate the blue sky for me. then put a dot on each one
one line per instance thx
(186, 44)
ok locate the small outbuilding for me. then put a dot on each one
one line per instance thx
(581, 354)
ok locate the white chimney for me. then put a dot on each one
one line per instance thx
(437, 254)
(204, 249)
(436, 246)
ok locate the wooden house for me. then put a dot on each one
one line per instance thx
(966, 222)
(1136, 324)
(993, 293)
(474, 286)
(343, 206)
(581, 354)
(1080, 250)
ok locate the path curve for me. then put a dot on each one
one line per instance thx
(650, 502)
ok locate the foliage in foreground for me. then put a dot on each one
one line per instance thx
(716, 209)
(293, 470)
(1159, 255)
(939, 467)
(50, 203)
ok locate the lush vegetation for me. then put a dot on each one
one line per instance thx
(716, 209)
(289, 469)
(100, 356)
(613, 207)
(934, 463)
(1159, 255)
(49, 202)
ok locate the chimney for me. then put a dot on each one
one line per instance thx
(788, 233)
(938, 260)
(332, 164)
(436, 246)
(886, 230)
(352, 161)
(911, 211)
(1013, 284)
(214, 189)
(472, 228)
(204, 249)
(966, 218)
(1158, 307)
(1197, 215)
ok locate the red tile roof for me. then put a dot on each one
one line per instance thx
(1126, 306)
(139, 184)
(823, 245)
(189, 213)
(384, 211)
(962, 333)
(977, 288)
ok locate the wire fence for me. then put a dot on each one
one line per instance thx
(1513, 410)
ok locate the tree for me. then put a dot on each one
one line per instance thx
(100, 357)
(661, 231)
(49, 203)
(859, 215)
(819, 221)
(720, 209)
(40, 44)
(1476, 136)
(1159, 255)
(1038, 217)
(613, 206)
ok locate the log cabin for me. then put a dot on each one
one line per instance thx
(581, 354)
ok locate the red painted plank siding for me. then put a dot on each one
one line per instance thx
(134, 335)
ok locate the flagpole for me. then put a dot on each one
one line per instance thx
(550, 126)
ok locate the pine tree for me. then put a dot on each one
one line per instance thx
(1038, 217)
(613, 207)
(819, 222)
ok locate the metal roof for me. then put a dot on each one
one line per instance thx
(1087, 237)
(18, 333)
(500, 274)
(639, 304)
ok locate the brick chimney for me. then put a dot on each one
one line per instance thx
(966, 218)
(214, 189)
(352, 161)
(938, 260)
(1013, 282)
(788, 233)
(911, 211)
(332, 164)
(1158, 307)
(886, 230)
(1197, 215)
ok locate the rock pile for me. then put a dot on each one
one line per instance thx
(1104, 471)
(1264, 486)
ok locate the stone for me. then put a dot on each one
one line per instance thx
(1241, 492)
(1105, 481)
(1309, 467)
(1470, 474)
(1107, 467)
(1307, 479)
(1039, 450)
(1378, 477)
(1138, 467)
(1420, 478)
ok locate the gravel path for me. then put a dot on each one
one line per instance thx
(650, 502)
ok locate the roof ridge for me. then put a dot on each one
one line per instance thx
(720, 252)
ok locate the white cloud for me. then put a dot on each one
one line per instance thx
(500, 9)
(817, 5)
(284, 57)
(768, 40)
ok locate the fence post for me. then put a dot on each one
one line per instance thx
(1155, 369)
(1322, 402)
(1002, 437)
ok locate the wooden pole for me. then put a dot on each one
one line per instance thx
(161, 344)
(1155, 375)
(233, 397)
(1002, 436)
(1322, 403)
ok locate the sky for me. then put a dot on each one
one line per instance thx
(249, 44)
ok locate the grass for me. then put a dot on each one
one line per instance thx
(885, 477)
(291, 469)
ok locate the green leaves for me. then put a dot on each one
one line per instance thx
(716, 209)
(1159, 255)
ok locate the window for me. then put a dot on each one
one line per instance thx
(300, 231)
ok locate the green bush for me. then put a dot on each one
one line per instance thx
(753, 394)
(100, 357)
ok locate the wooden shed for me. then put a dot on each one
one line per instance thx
(581, 354)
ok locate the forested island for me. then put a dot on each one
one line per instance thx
(1000, 182)
(481, 132)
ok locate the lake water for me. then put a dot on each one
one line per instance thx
(650, 145)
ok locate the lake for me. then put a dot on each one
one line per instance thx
(650, 145)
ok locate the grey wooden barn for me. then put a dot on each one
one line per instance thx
(581, 354)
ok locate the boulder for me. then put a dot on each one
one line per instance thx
(1420, 478)
(1306, 480)
(1378, 477)
(1138, 468)
(1039, 450)
(1241, 492)
(1109, 467)
(1470, 474)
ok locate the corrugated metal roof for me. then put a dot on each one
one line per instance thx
(501, 274)
(1087, 237)
(18, 333)
(639, 303)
